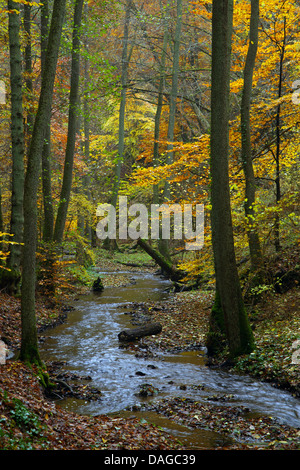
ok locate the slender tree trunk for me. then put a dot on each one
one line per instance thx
(86, 121)
(164, 244)
(112, 244)
(253, 238)
(161, 85)
(18, 145)
(124, 79)
(72, 126)
(46, 155)
(174, 92)
(278, 142)
(29, 344)
(238, 331)
(28, 72)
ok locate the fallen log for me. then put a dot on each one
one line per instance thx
(172, 272)
(136, 333)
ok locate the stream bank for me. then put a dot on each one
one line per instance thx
(156, 376)
(186, 413)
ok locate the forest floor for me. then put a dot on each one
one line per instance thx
(29, 419)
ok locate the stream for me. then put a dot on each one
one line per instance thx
(88, 343)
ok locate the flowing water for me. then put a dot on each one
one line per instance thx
(88, 342)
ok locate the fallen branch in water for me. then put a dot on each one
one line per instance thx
(136, 333)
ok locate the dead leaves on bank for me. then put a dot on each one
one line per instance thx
(233, 422)
(28, 421)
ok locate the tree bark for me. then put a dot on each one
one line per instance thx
(28, 72)
(174, 92)
(167, 267)
(18, 145)
(278, 142)
(163, 243)
(136, 333)
(86, 124)
(124, 79)
(161, 85)
(238, 331)
(29, 344)
(253, 238)
(72, 126)
(48, 228)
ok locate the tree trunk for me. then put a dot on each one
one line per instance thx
(107, 243)
(167, 267)
(18, 145)
(174, 92)
(216, 336)
(48, 228)
(238, 331)
(161, 85)
(29, 345)
(86, 125)
(278, 143)
(136, 333)
(124, 79)
(253, 238)
(72, 126)
(28, 73)
(164, 244)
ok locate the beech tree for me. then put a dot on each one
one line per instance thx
(18, 145)
(229, 296)
(250, 184)
(160, 98)
(124, 79)
(46, 163)
(29, 344)
(72, 126)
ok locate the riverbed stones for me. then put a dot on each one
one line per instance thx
(147, 390)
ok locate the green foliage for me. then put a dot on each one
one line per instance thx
(272, 357)
(128, 256)
(138, 127)
(24, 419)
(82, 275)
(261, 289)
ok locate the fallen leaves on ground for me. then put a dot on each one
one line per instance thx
(29, 421)
(232, 421)
(184, 318)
